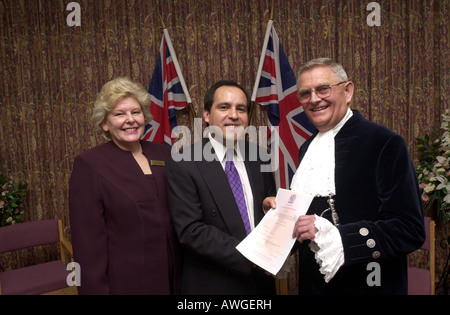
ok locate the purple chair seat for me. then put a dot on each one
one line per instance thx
(419, 281)
(35, 279)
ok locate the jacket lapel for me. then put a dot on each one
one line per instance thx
(217, 183)
(158, 167)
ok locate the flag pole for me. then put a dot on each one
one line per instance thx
(250, 115)
(192, 110)
(178, 69)
(177, 65)
(261, 61)
(281, 284)
(263, 52)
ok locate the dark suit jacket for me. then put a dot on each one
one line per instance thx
(122, 234)
(209, 226)
(380, 210)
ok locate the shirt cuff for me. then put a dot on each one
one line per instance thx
(327, 247)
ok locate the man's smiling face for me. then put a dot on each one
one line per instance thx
(325, 113)
(229, 112)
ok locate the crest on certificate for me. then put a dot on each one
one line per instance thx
(292, 198)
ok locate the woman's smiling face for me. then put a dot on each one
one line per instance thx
(125, 123)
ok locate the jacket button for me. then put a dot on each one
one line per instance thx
(370, 243)
(214, 213)
(363, 231)
(376, 255)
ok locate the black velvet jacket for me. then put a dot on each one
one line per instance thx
(380, 211)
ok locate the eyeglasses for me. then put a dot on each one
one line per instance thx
(322, 91)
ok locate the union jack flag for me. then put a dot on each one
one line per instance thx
(275, 87)
(168, 94)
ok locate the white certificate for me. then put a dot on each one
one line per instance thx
(270, 243)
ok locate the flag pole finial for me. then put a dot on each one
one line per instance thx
(162, 21)
(271, 11)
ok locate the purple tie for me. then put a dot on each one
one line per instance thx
(236, 187)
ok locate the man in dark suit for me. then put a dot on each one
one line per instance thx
(367, 213)
(206, 216)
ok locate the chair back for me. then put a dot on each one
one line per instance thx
(28, 234)
(421, 281)
(427, 243)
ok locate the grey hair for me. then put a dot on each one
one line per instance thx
(337, 68)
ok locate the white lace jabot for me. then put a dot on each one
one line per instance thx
(315, 176)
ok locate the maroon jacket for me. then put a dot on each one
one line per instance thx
(121, 228)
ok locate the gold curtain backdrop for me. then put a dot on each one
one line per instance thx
(51, 72)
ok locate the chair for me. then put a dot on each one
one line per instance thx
(422, 281)
(45, 278)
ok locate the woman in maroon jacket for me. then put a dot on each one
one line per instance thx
(121, 228)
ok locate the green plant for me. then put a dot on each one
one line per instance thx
(434, 170)
(11, 198)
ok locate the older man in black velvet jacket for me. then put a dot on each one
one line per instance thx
(367, 214)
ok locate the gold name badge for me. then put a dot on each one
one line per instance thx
(157, 163)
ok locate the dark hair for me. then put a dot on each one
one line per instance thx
(209, 96)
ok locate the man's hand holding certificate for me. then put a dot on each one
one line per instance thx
(270, 243)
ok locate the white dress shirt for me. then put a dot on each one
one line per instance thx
(238, 160)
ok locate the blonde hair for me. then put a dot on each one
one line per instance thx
(111, 93)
